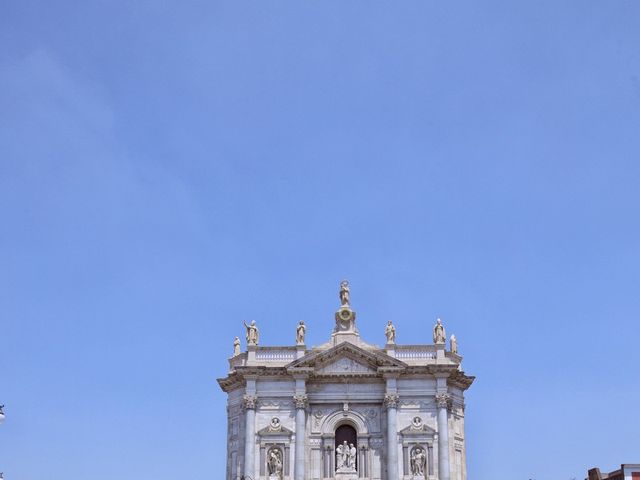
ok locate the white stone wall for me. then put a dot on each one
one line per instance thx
(364, 409)
(235, 433)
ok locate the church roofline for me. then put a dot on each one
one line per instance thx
(362, 360)
(377, 358)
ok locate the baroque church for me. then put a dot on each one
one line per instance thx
(346, 409)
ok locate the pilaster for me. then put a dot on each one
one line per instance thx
(300, 402)
(391, 401)
(444, 467)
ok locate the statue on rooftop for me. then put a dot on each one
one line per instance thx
(438, 332)
(300, 331)
(454, 344)
(236, 346)
(344, 293)
(252, 333)
(390, 332)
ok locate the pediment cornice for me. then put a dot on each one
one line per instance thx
(268, 431)
(365, 362)
(461, 379)
(421, 430)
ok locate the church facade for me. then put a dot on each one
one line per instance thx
(346, 409)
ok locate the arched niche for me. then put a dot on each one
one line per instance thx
(347, 433)
(359, 424)
(336, 419)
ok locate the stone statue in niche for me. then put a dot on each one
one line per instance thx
(438, 332)
(352, 456)
(300, 331)
(341, 456)
(344, 293)
(274, 464)
(236, 346)
(390, 332)
(418, 462)
(346, 457)
(252, 333)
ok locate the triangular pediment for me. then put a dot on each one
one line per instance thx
(271, 431)
(346, 359)
(421, 429)
(345, 365)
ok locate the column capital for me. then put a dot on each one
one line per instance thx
(391, 400)
(249, 402)
(443, 399)
(300, 401)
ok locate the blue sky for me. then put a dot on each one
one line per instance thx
(169, 169)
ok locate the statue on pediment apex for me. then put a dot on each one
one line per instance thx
(344, 293)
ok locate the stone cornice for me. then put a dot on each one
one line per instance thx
(301, 373)
(391, 372)
(442, 370)
(236, 379)
(461, 380)
(230, 382)
(381, 365)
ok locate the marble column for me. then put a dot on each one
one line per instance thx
(249, 404)
(391, 402)
(300, 401)
(444, 469)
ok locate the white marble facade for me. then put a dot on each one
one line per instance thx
(400, 408)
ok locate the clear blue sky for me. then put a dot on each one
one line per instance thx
(171, 168)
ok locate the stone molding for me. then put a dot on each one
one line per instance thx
(340, 417)
(236, 378)
(271, 404)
